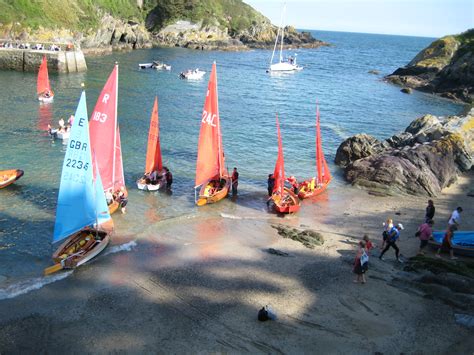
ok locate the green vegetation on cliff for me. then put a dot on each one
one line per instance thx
(71, 14)
(232, 14)
(83, 14)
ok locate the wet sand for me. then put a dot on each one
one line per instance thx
(195, 286)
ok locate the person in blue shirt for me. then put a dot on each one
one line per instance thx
(393, 236)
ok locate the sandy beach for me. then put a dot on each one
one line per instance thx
(195, 286)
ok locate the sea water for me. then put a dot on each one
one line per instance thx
(351, 101)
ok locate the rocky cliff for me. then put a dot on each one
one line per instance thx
(445, 67)
(422, 160)
(108, 24)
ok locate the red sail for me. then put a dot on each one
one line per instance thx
(324, 175)
(279, 172)
(210, 157)
(153, 152)
(103, 126)
(119, 177)
(43, 79)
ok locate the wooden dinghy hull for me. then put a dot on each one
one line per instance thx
(292, 204)
(459, 238)
(142, 185)
(205, 198)
(71, 254)
(114, 206)
(10, 175)
(318, 190)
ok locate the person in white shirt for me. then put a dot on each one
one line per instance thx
(455, 218)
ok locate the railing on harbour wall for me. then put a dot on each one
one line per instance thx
(27, 56)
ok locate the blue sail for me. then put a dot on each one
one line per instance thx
(77, 200)
(102, 209)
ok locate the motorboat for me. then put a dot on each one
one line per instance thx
(192, 74)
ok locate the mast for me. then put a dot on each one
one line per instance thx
(318, 148)
(282, 32)
(219, 136)
(115, 128)
(276, 39)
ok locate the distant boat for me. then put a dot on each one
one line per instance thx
(154, 162)
(317, 185)
(105, 139)
(155, 65)
(43, 87)
(82, 208)
(191, 74)
(211, 173)
(284, 200)
(288, 65)
(8, 177)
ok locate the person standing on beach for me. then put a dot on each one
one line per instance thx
(455, 218)
(425, 233)
(270, 184)
(388, 225)
(430, 211)
(448, 242)
(361, 263)
(235, 181)
(392, 238)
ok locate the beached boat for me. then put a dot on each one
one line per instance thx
(105, 140)
(463, 242)
(81, 208)
(211, 173)
(284, 200)
(8, 177)
(288, 65)
(154, 162)
(43, 87)
(192, 74)
(316, 185)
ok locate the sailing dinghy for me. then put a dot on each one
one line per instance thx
(211, 173)
(316, 185)
(82, 210)
(105, 140)
(284, 200)
(288, 65)
(8, 177)
(43, 88)
(154, 163)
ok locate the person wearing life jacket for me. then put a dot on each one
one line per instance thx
(391, 241)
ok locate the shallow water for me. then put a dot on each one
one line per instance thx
(351, 101)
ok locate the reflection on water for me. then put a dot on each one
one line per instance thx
(45, 116)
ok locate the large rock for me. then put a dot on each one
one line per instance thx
(445, 67)
(401, 165)
(355, 148)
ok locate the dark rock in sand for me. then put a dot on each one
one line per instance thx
(356, 147)
(307, 237)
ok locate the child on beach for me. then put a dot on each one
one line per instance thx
(361, 263)
(368, 244)
(388, 225)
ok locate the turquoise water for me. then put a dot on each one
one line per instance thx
(351, 101)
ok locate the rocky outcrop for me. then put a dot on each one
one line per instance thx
(422, 160)
(210, 37)
(445, 67)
